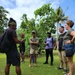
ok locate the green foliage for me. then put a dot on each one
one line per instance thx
(41, 69)
(3, 16)
(1, 30)
(45, 19)
(60, 15)
(44, 10)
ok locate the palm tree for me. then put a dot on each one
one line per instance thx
(60, 19)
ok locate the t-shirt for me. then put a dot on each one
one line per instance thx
(11, 34)
(67, 36)
(22, 47)
(49, 41)
(13, 52)
(35, 47)
(60, 39)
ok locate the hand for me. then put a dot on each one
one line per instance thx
(47, 44)
(68, 41)
(22, 41)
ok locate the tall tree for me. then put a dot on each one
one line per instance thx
(45, 17)
(3, 16)
(27, 24)
(60, 15)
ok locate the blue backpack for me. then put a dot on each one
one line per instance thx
(5, 44)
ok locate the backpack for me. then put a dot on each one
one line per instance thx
(5, 44)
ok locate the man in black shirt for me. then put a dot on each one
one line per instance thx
(62, 55)
(12, 56)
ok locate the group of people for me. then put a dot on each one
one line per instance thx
(66, 47)
(65, 43)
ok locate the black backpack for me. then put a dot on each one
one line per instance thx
(5, 44)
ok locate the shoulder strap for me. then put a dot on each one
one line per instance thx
(52, 39)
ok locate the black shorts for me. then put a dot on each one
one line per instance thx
(13, 57)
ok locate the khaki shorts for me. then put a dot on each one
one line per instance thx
(62, 56)
(32, 51)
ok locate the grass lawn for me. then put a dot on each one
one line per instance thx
(41, 69)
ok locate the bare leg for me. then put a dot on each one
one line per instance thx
(30, 60)
(61, 59)
(71, 65)
(18, 70)
(23, 57)
(65, 65)
(7, 69)
(34, 58)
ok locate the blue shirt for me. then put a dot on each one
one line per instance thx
(49, 41)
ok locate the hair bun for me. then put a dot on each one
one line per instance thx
(12, 20)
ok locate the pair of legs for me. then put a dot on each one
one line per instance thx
(33, 56)
(22, 56)
(7, 69)
(13, 57)
(63, 60)
(71, 65)
(33, 53)
(49, 52)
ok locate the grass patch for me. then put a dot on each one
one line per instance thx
(41, 68)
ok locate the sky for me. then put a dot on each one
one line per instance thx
(17, 8)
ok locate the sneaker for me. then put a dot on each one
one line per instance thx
(45, 63)
(59, 68)
(29, 65)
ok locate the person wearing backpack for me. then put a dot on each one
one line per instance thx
(68, 42)
(61, 50)
(49, 48)
(12, 56)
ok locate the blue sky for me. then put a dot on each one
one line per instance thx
(19, 7)
(70, 4)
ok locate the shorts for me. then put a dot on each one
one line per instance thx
(32, 51)
(22, 50)
(74, 48)
(62, 56)
(69, 50)
(13, 57)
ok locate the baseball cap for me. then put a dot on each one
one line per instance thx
(33, 31)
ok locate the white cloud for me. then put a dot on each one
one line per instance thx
(25, 6)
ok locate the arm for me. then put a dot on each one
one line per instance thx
(17, 41)
(73, 39)
(72, 34)
(14, 35)
(34, 42)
